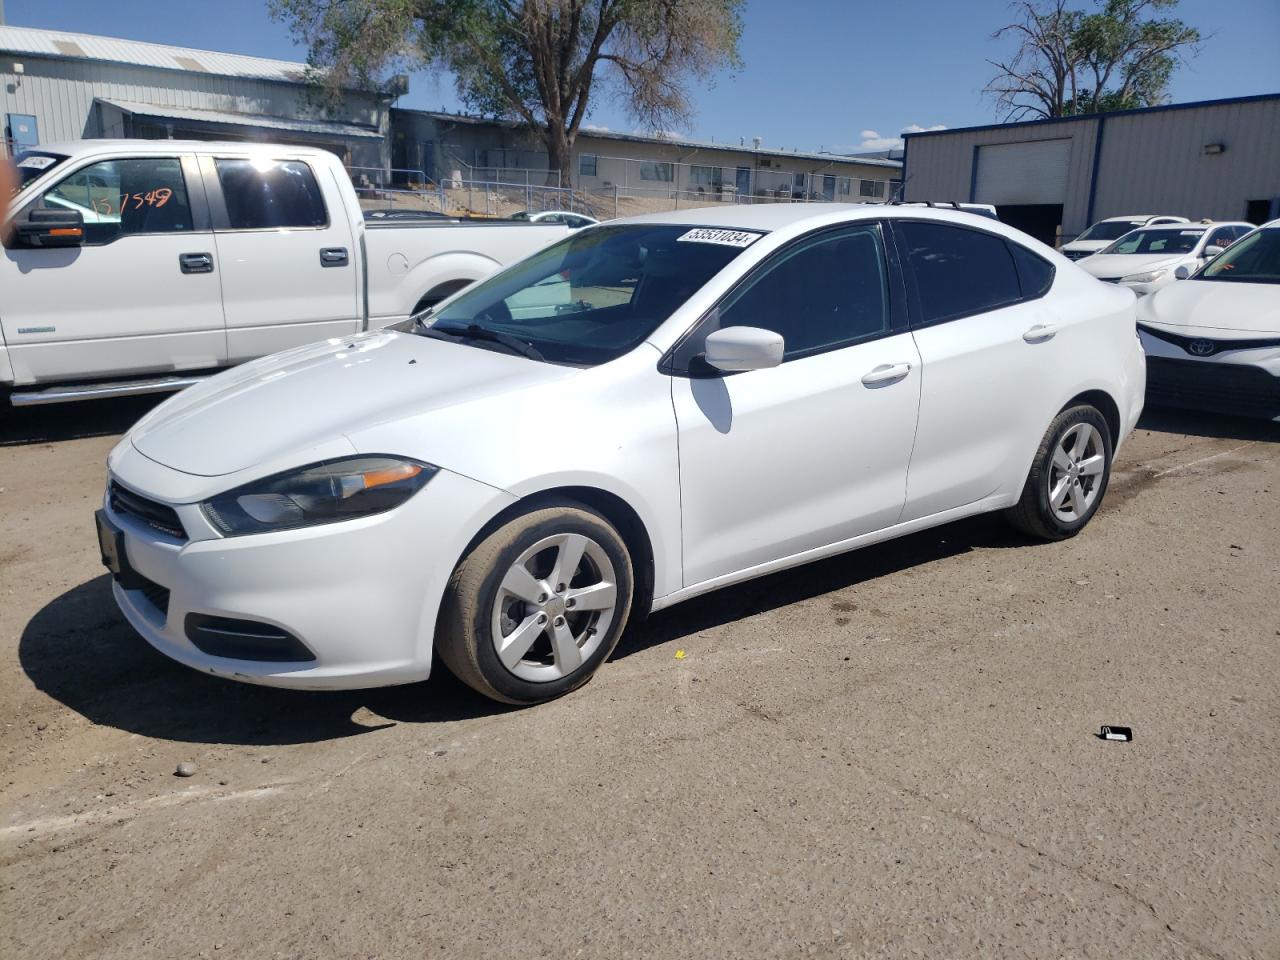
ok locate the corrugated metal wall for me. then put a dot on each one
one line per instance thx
(60, 93)
(1150, 161)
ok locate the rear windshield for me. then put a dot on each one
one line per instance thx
(1156, 241)
(35, 163)
(1255, 259)
(1109, 230)
(595, 295)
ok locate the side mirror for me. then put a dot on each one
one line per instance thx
(734, 349)
(1182, 272)
(43, 227)
(1213, 250)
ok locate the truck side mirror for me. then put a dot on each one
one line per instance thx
(43, 227)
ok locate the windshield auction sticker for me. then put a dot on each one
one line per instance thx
(726, 238)
(37, 162)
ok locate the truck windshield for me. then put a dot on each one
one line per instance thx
(35, 163)
(593, 296)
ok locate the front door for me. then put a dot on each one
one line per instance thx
(140, 296)
(777, 462)
(289, 264)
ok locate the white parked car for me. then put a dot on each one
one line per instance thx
(722, 393)
(1146, 259)
(574, 221)
(1213, 342)
(1104, 232)
(142, 266)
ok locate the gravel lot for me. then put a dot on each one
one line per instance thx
(886, 754)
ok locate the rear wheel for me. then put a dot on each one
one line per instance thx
(1068, 476)
(537, 606)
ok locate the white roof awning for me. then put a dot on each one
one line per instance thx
(327, 128)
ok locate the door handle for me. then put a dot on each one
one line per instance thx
(333, 257)
(886, 374)
(1040, 333)
(196, 262)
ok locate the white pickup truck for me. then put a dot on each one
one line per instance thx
(140, 266)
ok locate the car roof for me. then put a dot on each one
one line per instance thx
(1197, 225)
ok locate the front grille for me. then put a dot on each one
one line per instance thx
(1218, 387)
(1204, 347)
(153, 514)
(156, 595)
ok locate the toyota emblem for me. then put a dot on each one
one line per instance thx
(1201, 348)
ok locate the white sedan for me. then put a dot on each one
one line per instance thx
(720, 394)
(1213, 342)
(1146, 259)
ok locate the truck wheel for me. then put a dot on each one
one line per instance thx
(537, 606)
(1068, 476)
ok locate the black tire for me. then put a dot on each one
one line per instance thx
(1034, 514)
(465, 636)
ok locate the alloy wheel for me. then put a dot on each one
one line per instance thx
(1075, 474)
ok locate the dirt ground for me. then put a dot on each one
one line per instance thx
(889, 754)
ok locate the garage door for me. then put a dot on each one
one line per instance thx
(1018, 173)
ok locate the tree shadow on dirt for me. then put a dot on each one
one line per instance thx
(80, 651)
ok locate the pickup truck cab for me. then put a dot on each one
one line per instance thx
(138, 266)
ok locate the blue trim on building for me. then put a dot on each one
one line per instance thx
(906, 137)
(1093, 174)
(973, 174)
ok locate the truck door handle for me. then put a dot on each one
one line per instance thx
(333, 257)
(196, 262)
(886, 374)
(1040, 333)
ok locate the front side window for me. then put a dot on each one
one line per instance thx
(1156, 241)
(270, 194)
(958, 271)
(1255, 259)
(121, 197)
(593, 296)
(1223, 237)
(825, 292)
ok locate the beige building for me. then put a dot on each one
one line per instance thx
(443, 146)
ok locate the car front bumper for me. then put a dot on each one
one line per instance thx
(360, 596)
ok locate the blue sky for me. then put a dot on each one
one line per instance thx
(833, 74)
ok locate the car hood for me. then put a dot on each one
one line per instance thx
(1209, 308)
(308, 398)
(1125, 264)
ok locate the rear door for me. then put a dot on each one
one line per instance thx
(141, 295)
(289, 263)
(994, 359)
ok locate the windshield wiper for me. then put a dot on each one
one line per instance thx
(474, 331)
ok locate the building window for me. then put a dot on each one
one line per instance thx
(846, 186)
(586, 164)
(705, 176)
(871, 188)
(656, 171)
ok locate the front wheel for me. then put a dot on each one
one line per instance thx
(537, 606)
(1068, 476)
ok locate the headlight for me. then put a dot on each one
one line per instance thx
(1150, 277)
(321, 493)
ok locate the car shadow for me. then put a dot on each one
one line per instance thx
(80, 651)
(56, 422)
(1218, 426)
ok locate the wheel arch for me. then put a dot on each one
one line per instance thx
(1106, 405)
(612, 507)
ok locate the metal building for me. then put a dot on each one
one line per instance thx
(1053, 178)
(57, 86)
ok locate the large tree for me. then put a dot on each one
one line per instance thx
(538, 61)
(1119, 55)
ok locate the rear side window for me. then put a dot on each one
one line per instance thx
(958, 271)
(1035, 274)
(277, 193)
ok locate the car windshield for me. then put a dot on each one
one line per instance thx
(1255, 259)
(1109, 229)
(1156, 241)
(35, 163)
(593, 296)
